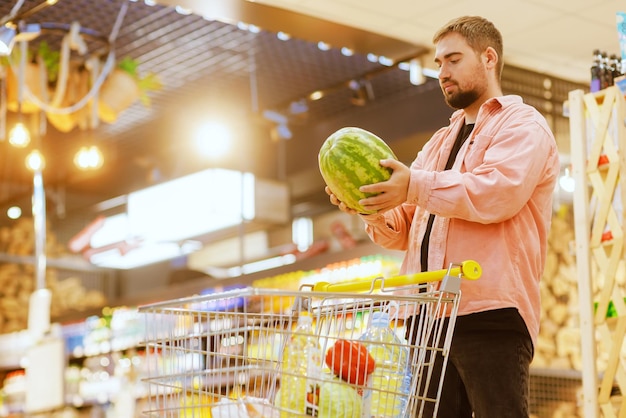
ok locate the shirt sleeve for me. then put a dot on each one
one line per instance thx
(498, 176)
(391, 229)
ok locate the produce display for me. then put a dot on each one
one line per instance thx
(350, 158)
(17, 280)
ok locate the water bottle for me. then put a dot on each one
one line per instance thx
(302, 371)
(387, 392)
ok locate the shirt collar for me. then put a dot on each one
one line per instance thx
(500, 101)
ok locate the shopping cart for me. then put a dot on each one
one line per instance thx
(221, 355)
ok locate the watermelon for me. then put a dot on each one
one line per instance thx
(350, 158)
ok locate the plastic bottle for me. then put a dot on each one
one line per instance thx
(389, 384)
(607, 74)
(596, 72)
(616, 68)
(302, 371)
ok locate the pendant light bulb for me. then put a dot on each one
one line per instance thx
(19, 136)
(89, 158)
(35, 161)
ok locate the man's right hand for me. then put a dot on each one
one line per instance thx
(342, 206)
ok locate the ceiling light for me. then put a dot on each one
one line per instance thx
(89, 158)
(323, 46)
(213, 139)
(262, 265)
(283, 36)
(128, 255)
(7, 38)
(276, 117)
(9, 34)
(347, 51)
(316, 95)
(14, 212)
(164, 221)
(372, 57)
(430, 73)
(175, 210)
(183, 11)
(385, 61)
(416, 72)
(35, 161)
(19, 136)
(298, 107)
(283, 131)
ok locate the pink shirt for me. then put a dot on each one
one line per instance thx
(494, 206)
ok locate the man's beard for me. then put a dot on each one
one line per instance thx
(462, 99)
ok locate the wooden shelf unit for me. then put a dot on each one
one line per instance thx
(598, 145)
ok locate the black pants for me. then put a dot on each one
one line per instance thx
(488, 368)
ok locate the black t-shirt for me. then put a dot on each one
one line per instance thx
(458, 143)
(505, 318)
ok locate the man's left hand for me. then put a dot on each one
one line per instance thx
(390, 193)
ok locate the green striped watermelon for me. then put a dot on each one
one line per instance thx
(349, 159)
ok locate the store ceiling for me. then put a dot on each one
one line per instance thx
(209, 69)
(211, 66)
(556, 37)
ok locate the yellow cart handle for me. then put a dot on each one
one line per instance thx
(468, 269)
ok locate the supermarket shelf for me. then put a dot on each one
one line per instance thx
(12, 346)
(196, 286)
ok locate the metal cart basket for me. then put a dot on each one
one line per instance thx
(222, 354)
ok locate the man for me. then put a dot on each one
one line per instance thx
(480, 189)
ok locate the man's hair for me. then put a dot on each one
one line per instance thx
(479, 34)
